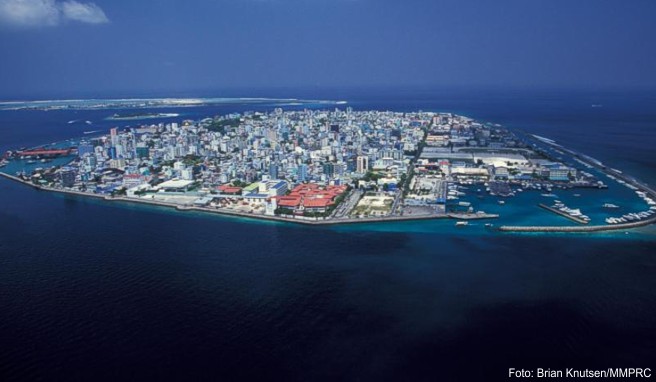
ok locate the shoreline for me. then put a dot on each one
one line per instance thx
(325, 222)
(141, 117)
(298, 220)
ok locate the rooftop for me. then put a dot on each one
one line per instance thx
(176, 183)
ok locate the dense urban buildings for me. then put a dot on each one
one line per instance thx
(319, 165)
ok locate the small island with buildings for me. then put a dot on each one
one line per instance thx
(140, 116)
(321, 167)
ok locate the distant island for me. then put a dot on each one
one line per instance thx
(150, 103)
(140, 116)
(345, 166)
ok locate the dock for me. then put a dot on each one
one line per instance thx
(472, 216)
(563, 214)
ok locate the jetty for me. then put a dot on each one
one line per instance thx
(563, 214)
(581, 229)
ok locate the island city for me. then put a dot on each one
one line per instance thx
(335, 167)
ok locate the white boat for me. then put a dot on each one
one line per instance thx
(461, 223)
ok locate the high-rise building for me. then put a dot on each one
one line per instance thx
(302, 172)
(113, 134)
(329, 169)
(273, 171)
(351, 164)
(362, 164)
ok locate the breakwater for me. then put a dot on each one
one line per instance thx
(592, 228)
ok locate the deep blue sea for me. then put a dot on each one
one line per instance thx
(91, 290)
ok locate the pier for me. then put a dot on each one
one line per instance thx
(474, 216)
(563, 214)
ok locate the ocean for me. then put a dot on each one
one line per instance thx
(91, 290)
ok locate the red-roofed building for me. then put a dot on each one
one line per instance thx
(289, 201)
(229, 190)
(311, 196)
(317, 204)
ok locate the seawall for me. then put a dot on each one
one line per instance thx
(299, 220)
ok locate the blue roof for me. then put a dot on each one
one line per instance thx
(279, 184)
(256, 196)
